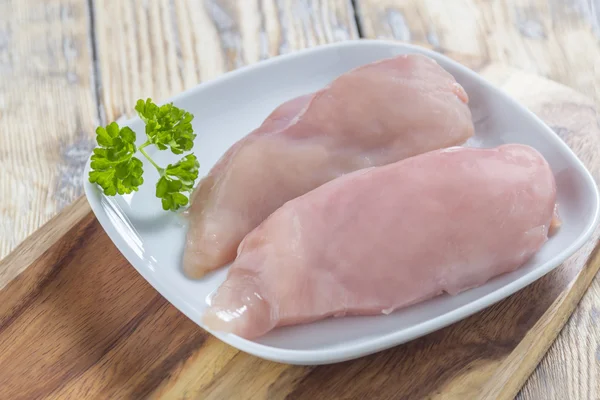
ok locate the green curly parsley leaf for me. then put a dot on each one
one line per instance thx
(115, 169)
(113, 166)
(176, 180)
(167, 126)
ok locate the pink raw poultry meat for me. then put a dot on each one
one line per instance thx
(386, 237)
(374, 115)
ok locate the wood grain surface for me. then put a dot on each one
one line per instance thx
(47, 111)
(66, 65)
(188, 41)
(557, 39)
(80, 322)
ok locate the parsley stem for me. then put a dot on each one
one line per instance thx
(160, 170)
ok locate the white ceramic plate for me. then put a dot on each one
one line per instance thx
(227, 108)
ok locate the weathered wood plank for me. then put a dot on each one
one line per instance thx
(47, 111)
(557, 39)
(159, 48)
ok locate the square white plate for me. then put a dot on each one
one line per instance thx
(228, 108)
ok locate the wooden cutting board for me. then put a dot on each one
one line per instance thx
(79, 321)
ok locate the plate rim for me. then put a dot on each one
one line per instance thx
(381, 342)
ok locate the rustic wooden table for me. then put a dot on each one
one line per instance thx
(68, 65)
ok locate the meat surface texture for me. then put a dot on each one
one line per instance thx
(386, 237)
(373, 115)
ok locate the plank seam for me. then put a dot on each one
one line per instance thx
(357, 21)
(96, 77)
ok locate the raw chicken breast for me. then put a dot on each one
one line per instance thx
(374, 115)
(383, 238)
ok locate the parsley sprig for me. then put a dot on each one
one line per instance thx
(116, 170)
